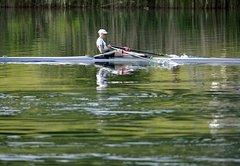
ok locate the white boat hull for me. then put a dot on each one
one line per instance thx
(91, 60)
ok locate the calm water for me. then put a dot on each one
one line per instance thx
(146, 115)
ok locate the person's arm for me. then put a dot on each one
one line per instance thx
(102, 50)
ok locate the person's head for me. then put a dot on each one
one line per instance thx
(102, 32)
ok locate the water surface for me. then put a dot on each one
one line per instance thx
(149, 115)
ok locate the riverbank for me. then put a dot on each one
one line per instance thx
(142, 4)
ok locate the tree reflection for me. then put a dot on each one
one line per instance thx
(63, 32)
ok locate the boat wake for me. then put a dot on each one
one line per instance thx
(169, 63)
(175, 60)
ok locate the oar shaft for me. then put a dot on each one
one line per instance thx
(132, 54)
(140, 51)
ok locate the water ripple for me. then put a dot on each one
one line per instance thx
(67, 157)
(7, 111)
(146, 160)
(29, 144)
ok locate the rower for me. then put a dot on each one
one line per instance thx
(106, 50)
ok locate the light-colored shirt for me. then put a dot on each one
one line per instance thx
(101, 43)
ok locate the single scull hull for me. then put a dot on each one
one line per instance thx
(90, 60)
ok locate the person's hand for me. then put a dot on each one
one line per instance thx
(120, 52)
(127, 48)
(109, 46)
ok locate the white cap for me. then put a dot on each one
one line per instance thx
(102, 31)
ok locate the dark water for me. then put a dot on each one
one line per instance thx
(57, 114)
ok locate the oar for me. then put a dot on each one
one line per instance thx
(133, 55)
(102, 55)
(140, 51)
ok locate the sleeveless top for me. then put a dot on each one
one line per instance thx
(101, 43)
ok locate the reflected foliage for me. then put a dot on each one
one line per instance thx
(74, 32)
(229, 4)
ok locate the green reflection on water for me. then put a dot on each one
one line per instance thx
(51, 114)
(74, 32)
(152, 118)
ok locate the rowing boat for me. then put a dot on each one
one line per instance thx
(119, 60)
